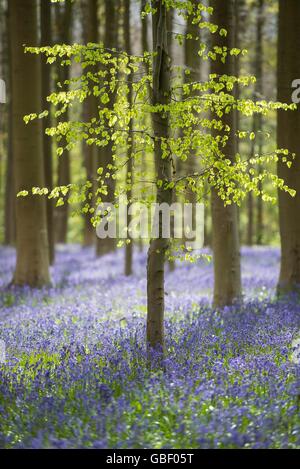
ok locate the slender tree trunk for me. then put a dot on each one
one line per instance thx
(10, 199)
(250, 220)
(90, 15)
(238, 24)
(62, 213)
(226, 249)
(259, 214)
(145, 48)
(250, 202)
(3, 77)
(32, 241)
(129, 175)
(64, 170)
(257, 127)
(145, 42)
(46, 40)
(258, 117)
(159, 246)
(107, 245)
(207, 217)
(193, 64)
(288, 128)
(238, 32)
(170, 21)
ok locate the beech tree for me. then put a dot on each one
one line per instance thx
(10, 199)
(64, 32)
(288, 125)
(129, 172)
(106, 153)
(180, 129)
(32, 267)
(90, 35)
(258, 120)
(46, 40)
(161, 95)
(225, 232)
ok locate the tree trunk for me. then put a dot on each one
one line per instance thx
(288, 127)
(144, 48)
(193, 64)
(46, 40)
(237, 34)
(170, 21)
(207, 217)
(90, 18)
(225, 243)
(250, 224)
(129, 175)
(250, 202)
(145, 42)
(257, 127)
(238, 24)
(159, 246)
(10, 199)
(64, 171)
(32, 266)
(258, 117)
(3, 77)
(107, 245)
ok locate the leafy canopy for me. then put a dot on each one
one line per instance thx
(196, 113)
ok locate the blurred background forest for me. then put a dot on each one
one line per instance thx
(256, 29)
(83, 323)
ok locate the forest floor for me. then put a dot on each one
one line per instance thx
(76, 371)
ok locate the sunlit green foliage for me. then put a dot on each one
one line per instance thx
(196, 112)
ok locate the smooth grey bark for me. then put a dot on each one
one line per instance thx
(9, 197)
(239, 25)
(46, 40)
(288, 127)
(159, 246)
(32, 267)
(64, 22)
(255, 211)
(259, 88)
(145, 22)
(250, 201)
(105, 156)
(170, 29)
(144, 48)
(193, 64)
(225, 242)
(90, 35)
(129, 170)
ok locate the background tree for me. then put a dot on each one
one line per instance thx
(32, 267)
(46, 40)
(288, 125)
(106, 154)
(225, 233)
(64, 32)
(258, 120)
(90, 35)
(129, 172)
(9, 195)
(255, 210)
(192, 69)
